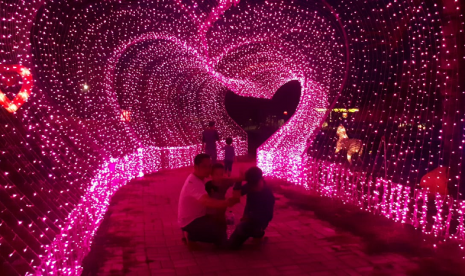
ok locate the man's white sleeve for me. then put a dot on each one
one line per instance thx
(197, 190)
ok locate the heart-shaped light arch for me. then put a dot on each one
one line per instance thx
(82, 150)
(79, 76)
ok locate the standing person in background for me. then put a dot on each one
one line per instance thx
(229, 156)
(209, 138)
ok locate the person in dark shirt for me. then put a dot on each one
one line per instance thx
(258, 211)
(194, 202)
(209, 138)
(217, 188)
(229, 156)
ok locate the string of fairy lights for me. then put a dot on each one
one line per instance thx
(405, 63)
(123, 88)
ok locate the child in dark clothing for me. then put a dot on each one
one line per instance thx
(217, 188)
(229, 156)
(258, 210)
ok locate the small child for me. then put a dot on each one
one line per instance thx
(217, 188)
(229, 156)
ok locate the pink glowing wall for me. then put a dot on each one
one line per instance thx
(121, 89)
(124, 88)
(406, 63)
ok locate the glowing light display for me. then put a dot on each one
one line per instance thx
(125, 115)
(124, 88)
(405, 61)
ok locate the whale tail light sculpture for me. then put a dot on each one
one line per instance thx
(352, 146)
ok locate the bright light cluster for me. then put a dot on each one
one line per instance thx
(124, 88)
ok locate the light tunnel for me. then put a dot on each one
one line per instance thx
(96, 93)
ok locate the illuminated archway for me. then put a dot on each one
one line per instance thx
(123, 88)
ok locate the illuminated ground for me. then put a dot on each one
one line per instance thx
(140, 236)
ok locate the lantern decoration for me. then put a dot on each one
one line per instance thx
(435, 182)
(125, 115)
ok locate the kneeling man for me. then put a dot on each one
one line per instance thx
(193, 203)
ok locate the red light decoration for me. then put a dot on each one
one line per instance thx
(394, 65)
(25, 91)
(435, 181)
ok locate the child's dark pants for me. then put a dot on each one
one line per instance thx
(207, 229)
(245, 230)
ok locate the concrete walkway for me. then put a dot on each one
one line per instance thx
(140, 236)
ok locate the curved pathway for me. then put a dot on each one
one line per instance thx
(140, 236)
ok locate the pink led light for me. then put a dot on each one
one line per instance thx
(92, 69)
(88, 214)
(401, 98)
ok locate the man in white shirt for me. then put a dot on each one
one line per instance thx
(194, 201)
